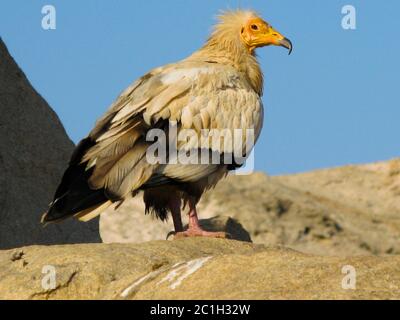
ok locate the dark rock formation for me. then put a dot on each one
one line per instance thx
(34, 151)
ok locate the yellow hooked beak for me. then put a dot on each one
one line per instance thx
(273, 37)
(277, 39)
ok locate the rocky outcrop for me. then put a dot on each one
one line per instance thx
(352, 210)
(344, 221)
(34, 150)
(194, 268)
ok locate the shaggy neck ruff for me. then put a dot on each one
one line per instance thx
(225, 46)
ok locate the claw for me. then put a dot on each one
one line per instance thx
(170, 234)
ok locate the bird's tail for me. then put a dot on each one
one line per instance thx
(74, 197)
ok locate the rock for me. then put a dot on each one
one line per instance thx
(34, 151)
(351, 210)
(197, 268)
(129, 224)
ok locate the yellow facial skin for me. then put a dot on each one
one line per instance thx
(258, 33)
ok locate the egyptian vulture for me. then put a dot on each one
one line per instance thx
(216, 89)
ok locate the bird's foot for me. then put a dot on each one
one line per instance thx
(197, 232)
(194, 229)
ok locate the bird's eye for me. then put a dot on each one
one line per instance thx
(254, 27)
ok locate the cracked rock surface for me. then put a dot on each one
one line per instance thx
(194, 268)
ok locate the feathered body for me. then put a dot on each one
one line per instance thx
(218, 87)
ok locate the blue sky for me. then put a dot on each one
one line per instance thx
(334, 101)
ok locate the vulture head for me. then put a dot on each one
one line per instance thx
(250, 30)
(257, 33)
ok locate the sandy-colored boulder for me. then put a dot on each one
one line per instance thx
(34, 151)
(194, 268)
(352, 210)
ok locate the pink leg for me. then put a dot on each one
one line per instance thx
(194, 229)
